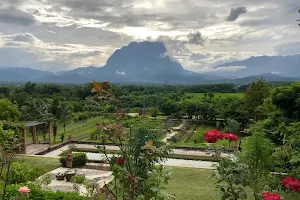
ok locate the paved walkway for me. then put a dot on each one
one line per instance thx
(115, 148)
(169, 162)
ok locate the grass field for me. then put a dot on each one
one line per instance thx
(199, 184)
(185, 183)
(44, 164)
(216, 95)
(75, 129)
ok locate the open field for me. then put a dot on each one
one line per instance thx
(76, 129)
(189, 183)
(216, 95)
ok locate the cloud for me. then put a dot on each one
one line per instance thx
(15, 16)
(206, 61)
(275, 73)
(198, 56)
(85, 54)
(235, 13)
(33, 52)
(291, 48)
(121, 73)
(195, 38)
(228, 69)
(21, 37)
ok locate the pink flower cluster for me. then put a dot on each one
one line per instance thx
(292, 184)
(269, 196)
(213, 136)
(24, 190)
(231, 137)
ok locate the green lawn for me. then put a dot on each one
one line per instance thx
(45, 164)
(76, 129)
(199, 184)
(185, 183)
(216, 95)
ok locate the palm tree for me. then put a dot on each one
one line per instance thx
(55, 115)
(65, 117)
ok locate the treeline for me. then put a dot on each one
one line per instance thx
(34, 101)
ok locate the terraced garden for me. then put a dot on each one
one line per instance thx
(191, 135)
(78, 130)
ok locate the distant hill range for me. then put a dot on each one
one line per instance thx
(148, 62)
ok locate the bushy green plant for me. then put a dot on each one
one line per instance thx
(134, 170)
(22, 173)
(231, 179)
(78, 159)
(38, 194)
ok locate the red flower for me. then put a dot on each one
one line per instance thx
(292, 184)
(269, 196)
(121, 161)
(231, 137)
(213, 136)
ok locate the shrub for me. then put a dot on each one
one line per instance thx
(79, 159)
(38, 194)
(22, 173)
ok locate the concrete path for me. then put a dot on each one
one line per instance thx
(169, 162)
(115, 148)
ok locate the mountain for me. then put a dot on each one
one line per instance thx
(267, 77)
(62, 78)
(148, 62)
(20, 74)
(144, 62)
(285, 66)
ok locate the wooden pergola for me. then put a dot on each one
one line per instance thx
(34, 124)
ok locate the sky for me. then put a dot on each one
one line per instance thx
(58, 35)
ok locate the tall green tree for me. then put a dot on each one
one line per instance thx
(65, 116)
(5, 91)
(29, 87)
(9, 111)
(257, 154)
(20, 99)
(255, 95)
(287, 100)
(55, 114)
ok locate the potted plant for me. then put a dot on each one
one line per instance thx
(60, 176)
(69, 174)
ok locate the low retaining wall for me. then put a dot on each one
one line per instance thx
(53, 148)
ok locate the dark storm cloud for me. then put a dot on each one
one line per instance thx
(12, 15)
(195, 38)
(235, 13)
(123, 13)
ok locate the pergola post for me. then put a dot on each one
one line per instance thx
(34, 134)
(50, 134)
(24, 141)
